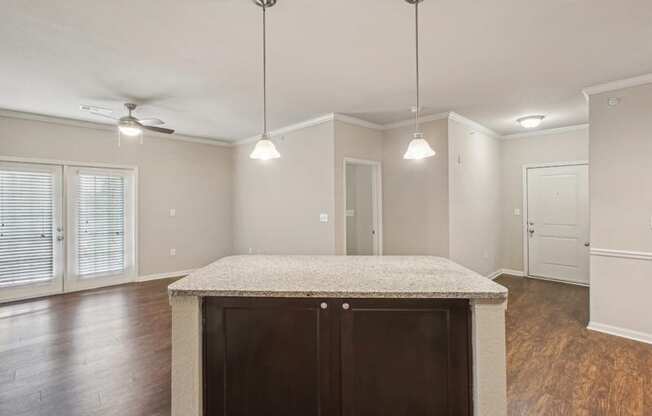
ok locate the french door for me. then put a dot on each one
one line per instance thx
(31, 230)
(64, 228)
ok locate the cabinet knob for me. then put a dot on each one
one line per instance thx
(346, 306)
(324, 305)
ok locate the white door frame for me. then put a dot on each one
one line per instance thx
(377, 196)
(526, 253)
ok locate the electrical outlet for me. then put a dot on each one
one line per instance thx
(173, 252)
(517, 212)
(251, 250)
(323, 217)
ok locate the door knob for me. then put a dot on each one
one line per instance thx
(587, 244)
(530, 230)
(324, 305)
(345, 306)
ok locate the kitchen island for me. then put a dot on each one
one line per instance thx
(337, 335)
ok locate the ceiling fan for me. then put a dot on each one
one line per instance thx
(129, 125)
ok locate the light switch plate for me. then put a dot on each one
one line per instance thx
(517, 212)
(173, 212)
(323, 217)
(173, 252)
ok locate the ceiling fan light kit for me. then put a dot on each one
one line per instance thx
(419, 148)
(264, 148)
(129, 125)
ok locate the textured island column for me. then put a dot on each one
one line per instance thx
(489, 357)
(187, 366)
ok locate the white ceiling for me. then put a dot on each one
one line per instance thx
(196, 63)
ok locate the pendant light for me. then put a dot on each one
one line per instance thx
(418, 147)
(264, 149)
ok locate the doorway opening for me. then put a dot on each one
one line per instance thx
(556, 222)
(362, 207)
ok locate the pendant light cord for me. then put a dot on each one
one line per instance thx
(416, 33)
(264, 73)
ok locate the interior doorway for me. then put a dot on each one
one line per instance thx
(362, 207)
(556, 222)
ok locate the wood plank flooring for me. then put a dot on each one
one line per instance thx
(101, 352)
(555, 366)
(107, 352)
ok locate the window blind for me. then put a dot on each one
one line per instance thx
(26, 227)
(101, 224)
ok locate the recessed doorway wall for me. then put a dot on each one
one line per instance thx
(362, 190)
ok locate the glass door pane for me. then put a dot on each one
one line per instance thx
(101, 227)
(31, 237)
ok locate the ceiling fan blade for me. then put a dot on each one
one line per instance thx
(159, 129)
(98, 111)
(151, 121)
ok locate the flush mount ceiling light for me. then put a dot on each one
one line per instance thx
(418, 147)
(530, 122)
(264, 149)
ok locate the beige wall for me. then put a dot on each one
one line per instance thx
(195, 179)
(475, 200)
(559, 147)
(415, 193)
(277, 202)
(621, 208)
(354, 142)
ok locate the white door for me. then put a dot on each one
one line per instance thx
(31, 230)
(558, 222)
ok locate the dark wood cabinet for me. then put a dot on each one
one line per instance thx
(332, 357)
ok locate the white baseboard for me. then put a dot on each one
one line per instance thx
(512, 272)
(181, 273)
(550, 279)
(492, 276)
(620, 332)
(500, 272)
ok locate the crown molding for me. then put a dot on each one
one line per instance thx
(449, 115)
(409, 122)
(292, 127)
(617, 85)
(473, 125)
(545, 132)
(357, 122)
(20, 115)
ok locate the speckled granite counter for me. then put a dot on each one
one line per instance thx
(338, 277)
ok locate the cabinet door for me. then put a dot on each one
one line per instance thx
(267, 357)
(405, 358)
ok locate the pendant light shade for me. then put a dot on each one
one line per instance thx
(264, 148)
(419, 148)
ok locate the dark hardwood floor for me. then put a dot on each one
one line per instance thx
(555, 366)
(101, 352)
(107, 352)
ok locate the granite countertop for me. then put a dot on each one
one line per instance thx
(337, 277)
